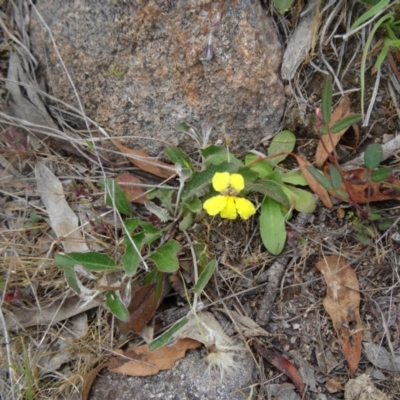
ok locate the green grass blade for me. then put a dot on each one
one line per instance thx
(327, 100)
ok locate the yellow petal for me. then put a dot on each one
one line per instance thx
(220, 181)
(230, 209)
(237, 182)
(244, 207)
(215, 204)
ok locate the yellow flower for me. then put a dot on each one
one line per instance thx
(229, 185)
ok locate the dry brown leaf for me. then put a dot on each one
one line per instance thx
(314, 185)
(88, 380)
(143, 306)
(362, 191)
(342, 304)
(140, 361)
(131, 185)
(284, 366)
(145, 162)
(341, 111)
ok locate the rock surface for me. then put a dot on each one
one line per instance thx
(188, 380)
(164, 71)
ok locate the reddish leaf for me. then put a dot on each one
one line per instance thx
(284, 366)
(131, 185)
(140, 361)
(145, 162)
(342, 303)
(361, 191)
(341, 111)
(314, 185)
(88, 380)
(145, 303)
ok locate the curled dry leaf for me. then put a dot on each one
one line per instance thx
(140, 361)
(131, 185)
(329, 142)
(342, 304)
(145, 162)
(361, 191)
(284, 366)
(321, 192)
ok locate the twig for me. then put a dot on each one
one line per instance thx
(275, 273)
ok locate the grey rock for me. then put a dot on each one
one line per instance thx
(171, 73)
(188, 380)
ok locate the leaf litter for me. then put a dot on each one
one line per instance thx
(293, 276)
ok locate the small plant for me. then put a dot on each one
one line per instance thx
(153, 247)
(389, 27)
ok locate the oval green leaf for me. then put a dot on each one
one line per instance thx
(282, 144)
(319, 177)
(205, 277)
(166, 337)
(166, 256)
(381, 174)
(300, 199)
(116, 306)
(115, 196)
(345, 123)
(373, 156)
(336, 178)
(177, 156)
(92, 261)
(272, 226)
(327, 100)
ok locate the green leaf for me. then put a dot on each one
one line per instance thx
(370, 2)
(370, 13)
(295, 177)
(200, 250)
(116, 306)
(166, 256)
(381, 174)
(151, 233)
(215, 155)
(272, 190)
(283, 5)
(164, 195)
(182, 127)
(327, 100)
(159, 212)
(72, 279)
(336, 178)
(275, 176)
(177, 156)
(92, 261)
(272, 226)
(342, 194)
(345, 123)
(373, 156)
(131, 257)
(166, 337)
(115, 196)
(194, 205)
(131, 224)
(261, 167)
(319, 177)
(283, 142)
(186, 222)
(300, 199)
(248, 174)
(34, 217)
(204, 277)
(385, 223)
(202, 179)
